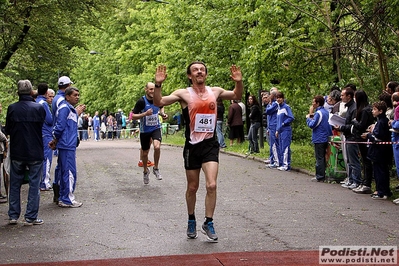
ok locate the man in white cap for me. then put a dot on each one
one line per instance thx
(63, 83)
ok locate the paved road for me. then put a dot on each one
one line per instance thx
(258, 209)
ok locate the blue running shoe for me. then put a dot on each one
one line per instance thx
(209, 231)
(192, 229)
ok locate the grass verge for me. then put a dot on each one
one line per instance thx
(302, 156)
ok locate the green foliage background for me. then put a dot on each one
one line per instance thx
(302, 47)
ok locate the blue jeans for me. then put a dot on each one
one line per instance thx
(118, 131)
(219, 132)
(354, 165)
(84, 134)
(253, 137)
(17, 173)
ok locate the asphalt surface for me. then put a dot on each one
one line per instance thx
(258, 209)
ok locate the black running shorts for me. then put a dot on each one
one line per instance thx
(145, 138)
(197, 154)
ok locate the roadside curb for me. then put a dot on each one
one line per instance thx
(254, 158)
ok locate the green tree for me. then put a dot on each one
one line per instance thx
(38, 37)
(302, 47)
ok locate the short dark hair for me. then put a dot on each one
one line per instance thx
(350, 85)
(70, 90)
(62, 87)
(349, 92)
(42, 88)
(279, 94)
(385, 97)
(334, 88)
(196, 62)
(319, 99)
(392, 85)
(395, 96)
(381, 106)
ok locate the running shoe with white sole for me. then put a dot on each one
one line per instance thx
(13, 221)
(146, 177)
(209, 231)
(192, 229)
(362, 190)
(283, 168)
(33, 222)
(75, 204)
(157, 174)
(377, 197)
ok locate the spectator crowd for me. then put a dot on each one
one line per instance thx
(343, 123)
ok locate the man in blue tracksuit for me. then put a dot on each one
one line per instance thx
(65, 135)
(271, 114)
(321, 132)
(47, 129)
(284, 132)
(63, 83)
(96, 126)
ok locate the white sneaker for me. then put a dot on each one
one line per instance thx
(283, 168)
(362, 190)
(157, 174)
(346, 180)
(75, 204)
(346, 185)
(12, 221)
(146, 177)
(353, 185)
(376, 197)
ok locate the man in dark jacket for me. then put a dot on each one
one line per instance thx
(234, 121)
(352, 149)
(24, 124)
